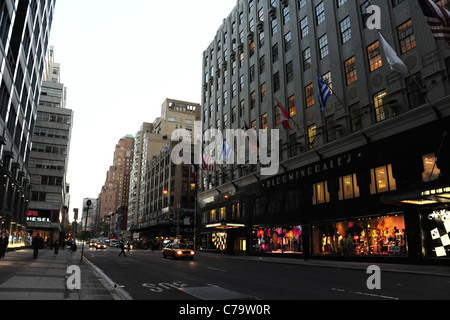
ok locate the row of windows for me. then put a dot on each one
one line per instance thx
(407, 42)
(382, 180)
(51, 133)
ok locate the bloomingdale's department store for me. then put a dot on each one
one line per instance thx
(389, 198)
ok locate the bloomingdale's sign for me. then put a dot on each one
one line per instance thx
(312, 170)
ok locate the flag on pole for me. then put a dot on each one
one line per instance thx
(392, 58)
(252, 137)
(284, 117)
(324, 93)
(208, 162)
(438, 18)
(194, 171)
(225, 152)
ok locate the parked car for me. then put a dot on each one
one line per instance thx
(178, 251)
(100, 245)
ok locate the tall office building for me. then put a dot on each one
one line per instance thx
(112, 205)
(49, 157)
(161, 193)
(367, 174)
(24, 32)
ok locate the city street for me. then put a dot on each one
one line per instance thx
(146, 275)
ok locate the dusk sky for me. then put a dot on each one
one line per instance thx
(120, 61)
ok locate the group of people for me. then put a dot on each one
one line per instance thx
(4, 241)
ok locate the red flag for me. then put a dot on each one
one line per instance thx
(284, 118)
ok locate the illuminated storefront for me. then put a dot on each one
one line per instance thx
(383, 235)
(277, 240)
(436, 233)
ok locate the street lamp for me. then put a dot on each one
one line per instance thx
(88, 204)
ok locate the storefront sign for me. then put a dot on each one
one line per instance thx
(444, 215)
(39, 215)
(308, 171)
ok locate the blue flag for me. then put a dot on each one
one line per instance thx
(324, 93)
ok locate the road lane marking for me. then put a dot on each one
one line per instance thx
(215, 269)
(365, 294)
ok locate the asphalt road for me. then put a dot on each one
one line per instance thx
(145, 275)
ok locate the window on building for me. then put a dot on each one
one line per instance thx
(382, 179)
(380, 105)
(264, 121)
(320, 13)
(323, 46)
(374, 54)
(309, 95)
(331, 128)
(289, 72)
(355, 113)
(320, 193)
(350, 70)
(291, 104)
(306, 59)
(430, 170)
(304, 27)
(287, 42)
(348, 187)
(406, 36)
(346, 31)
(312, 136)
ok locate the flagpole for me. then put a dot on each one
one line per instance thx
(295, 123)
(347, 112)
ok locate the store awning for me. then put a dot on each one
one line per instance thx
(225, 225)
(421, 198)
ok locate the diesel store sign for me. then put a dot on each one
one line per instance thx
(309, 171)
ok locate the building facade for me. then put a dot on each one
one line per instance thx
(113, 198)
(365, 176)
(164, 193)
(24, 31)
(49, 158)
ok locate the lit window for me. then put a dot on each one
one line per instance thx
(373, 52)
(406, 36)
(379, 102)
(348, 187)
(382, 179)
(350, 70)
(431, 172)
(320, 193)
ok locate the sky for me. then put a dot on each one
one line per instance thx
(119, 64)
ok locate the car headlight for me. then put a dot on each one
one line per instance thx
(192, 252)
(179, 252)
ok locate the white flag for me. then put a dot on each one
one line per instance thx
(392, 58)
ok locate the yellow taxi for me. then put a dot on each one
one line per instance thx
(178, 251)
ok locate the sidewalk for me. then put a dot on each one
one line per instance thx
(44, 278)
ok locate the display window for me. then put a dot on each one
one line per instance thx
(278, 240)
(436, 233)
(219, 240)
(383, 235)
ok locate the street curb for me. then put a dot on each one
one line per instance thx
(331, 264)
(116, 291)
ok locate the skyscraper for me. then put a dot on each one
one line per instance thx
(50, 156)
(113, 198)
(24, 31)
(354, 173)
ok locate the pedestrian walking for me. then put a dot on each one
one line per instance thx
(56, 247)
(36, 245)
(1, 246)
(4, 244)
(122, 247)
